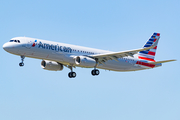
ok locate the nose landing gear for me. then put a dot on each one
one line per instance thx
(22, 63)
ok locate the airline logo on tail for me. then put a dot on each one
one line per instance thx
(149, 55)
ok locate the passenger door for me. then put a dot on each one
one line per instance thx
(29, 44)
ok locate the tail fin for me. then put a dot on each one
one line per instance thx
(149, 54)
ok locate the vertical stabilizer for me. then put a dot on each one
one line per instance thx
(149, 55)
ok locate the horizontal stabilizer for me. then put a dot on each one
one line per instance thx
(161, 62)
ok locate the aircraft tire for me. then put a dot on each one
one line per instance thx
(72, 75)
(95, 72)
(21, 64)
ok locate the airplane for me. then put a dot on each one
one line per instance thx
(56, 55)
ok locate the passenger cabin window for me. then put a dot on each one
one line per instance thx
(18, 41)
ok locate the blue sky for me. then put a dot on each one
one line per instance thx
(33, 93)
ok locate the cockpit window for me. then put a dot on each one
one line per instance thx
(18, 41)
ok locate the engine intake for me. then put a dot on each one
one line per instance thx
(84, 61)
(51, 65)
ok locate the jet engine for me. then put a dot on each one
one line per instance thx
(84, 61)
(51, 65)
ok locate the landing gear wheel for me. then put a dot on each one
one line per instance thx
(72, 74)
(21, 64)
(95, 72)
(69, 75)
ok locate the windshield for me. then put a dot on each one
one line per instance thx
(18, 41)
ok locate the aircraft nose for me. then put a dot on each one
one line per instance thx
(6, 46)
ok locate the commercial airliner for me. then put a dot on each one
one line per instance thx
(56, 55)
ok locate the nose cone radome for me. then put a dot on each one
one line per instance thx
(7, 47)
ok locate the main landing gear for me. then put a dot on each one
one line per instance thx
(71, 74)
(95, 72)
(22, 63)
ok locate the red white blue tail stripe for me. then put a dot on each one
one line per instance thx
(149, 55)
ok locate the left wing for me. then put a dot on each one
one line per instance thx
(115, 55)
(101, 58)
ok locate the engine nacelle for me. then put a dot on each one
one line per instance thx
(51, 65)
(84, 61)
